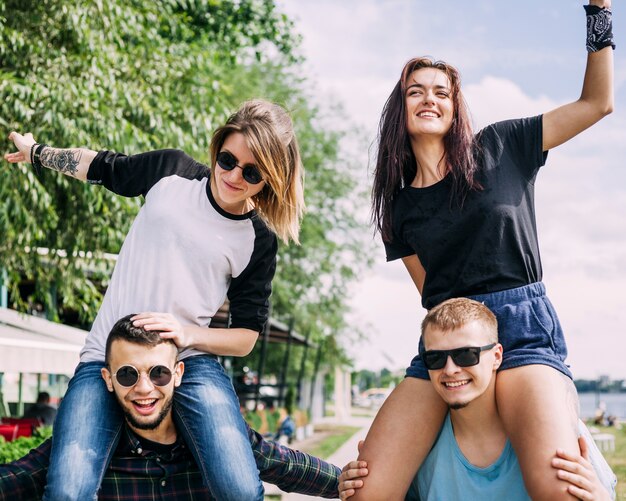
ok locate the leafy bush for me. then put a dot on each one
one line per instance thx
(265, 421)
(10, 451)
(253, 419)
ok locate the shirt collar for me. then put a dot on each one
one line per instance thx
(134, 445)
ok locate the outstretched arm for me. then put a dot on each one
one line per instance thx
(26, 477)
(293, 471)
(73, 162)
(596, 99)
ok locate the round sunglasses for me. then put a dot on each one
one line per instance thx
(128, 376)
(250, 173)
(463, 357)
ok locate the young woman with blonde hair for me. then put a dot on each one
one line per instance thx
(202, 235)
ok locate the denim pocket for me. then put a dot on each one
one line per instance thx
(544, 318)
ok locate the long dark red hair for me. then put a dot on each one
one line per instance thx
(396, 166)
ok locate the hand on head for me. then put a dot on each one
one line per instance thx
(166, 323)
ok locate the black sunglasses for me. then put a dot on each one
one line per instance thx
(128, 376)
(250, 173)
(463, 357)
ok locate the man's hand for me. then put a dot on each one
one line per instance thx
(166, 323)
(351, 476)
(579, 473)
(23, 143)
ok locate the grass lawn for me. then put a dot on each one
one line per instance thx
(331, 437)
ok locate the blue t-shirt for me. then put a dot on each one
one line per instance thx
(447, 475)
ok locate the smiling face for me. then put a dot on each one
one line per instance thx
(429, 104)
(145, 405)
(459, 386)
(230, 190)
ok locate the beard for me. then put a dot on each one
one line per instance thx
(458, 405)
(149, 425)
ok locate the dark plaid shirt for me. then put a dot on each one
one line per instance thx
(142, 470)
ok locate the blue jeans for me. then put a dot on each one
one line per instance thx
(86, 432)
(206, 411)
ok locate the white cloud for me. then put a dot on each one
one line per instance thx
(355, 51)
(494, 99)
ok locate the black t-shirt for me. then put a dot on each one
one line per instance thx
(489, 243)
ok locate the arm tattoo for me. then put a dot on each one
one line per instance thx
(572, 402)
(65, 161)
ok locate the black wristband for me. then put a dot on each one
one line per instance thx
(32, 148)
(36, 160)
(599, 28)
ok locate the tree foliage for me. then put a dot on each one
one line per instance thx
(133, 75)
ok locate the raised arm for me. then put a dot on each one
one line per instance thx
(596, 99)
(293, 471)
(73, 162)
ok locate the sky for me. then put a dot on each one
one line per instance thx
(516, 59)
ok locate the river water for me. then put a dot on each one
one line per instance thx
(615, 404)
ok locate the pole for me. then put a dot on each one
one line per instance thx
(318, 360)
(4, 291)
(302, 365)
(283, 375)
(266, 335)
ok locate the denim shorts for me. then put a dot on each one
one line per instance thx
(528, 329)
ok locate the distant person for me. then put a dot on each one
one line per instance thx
(203, 234)
(458, 209)
(151, 460)
(286, 429)
(472, 459)
(599, 417)
(42, 409)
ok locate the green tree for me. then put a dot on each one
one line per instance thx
(138, 75)
(311, 284)
(126, 75)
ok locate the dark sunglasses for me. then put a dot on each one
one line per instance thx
(128, 376)
(250, 173)
(463, 357)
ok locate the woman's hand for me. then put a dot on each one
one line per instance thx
(166, 323)
(579, 473)
(601, 3)
(23, 143)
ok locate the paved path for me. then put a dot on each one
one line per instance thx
(346, 453)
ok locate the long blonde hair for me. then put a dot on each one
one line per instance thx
(269, 134)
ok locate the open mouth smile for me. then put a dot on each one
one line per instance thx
(145, 406)
(456, 384)
(428, 114)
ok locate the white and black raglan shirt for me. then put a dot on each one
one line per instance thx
(183, 254)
